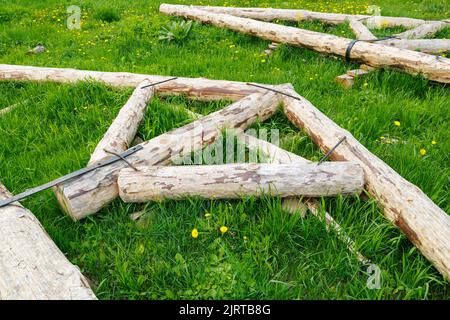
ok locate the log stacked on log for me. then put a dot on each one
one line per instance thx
(31, 265)
(376, 55)
(296, 15)
(89, 193)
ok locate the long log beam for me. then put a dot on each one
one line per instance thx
(196, 88)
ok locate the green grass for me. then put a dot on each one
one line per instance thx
(282, 256)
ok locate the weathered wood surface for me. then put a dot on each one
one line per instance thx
(360, 30)
(89, 193)
(424, 30)
(122, 131)
(233, 181)
(376, 55)
(196, 88)
(425, 224)
(270, 14)
(295, 205)
(422, 45)
(31, 265)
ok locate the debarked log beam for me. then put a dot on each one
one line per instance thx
(122, 131)
(31, 265)
(425, 224)
(234, 181)
(270, 14)
(195, 88)
(376, 55)
(89, 193)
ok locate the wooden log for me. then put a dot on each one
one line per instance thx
(425, 224)
(233, 181)
(360, 30)
(345, 80)
(424, 30)
(377, 55)
(357, 72)
(297, 205)
(195, 88)
(422, 45)
(270, 14)
(31, 265)
(122, 131)
(89, 193)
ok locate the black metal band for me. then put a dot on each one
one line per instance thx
(72, 175)
(349, 49)
(353, 42)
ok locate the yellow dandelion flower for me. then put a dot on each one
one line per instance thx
(207, 215)
(245, 238)
(397, 123)
(194, 233)
(433, 142)
(365, 84)
(422, 152)
(223, 229)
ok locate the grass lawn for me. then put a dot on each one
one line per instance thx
(267, 253)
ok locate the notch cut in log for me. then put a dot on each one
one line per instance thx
(31, 265)
(425, 224)
(122, 131)
(376, 55)
(234, 181)
(194, 88)
(89, 193)
(270, 14)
